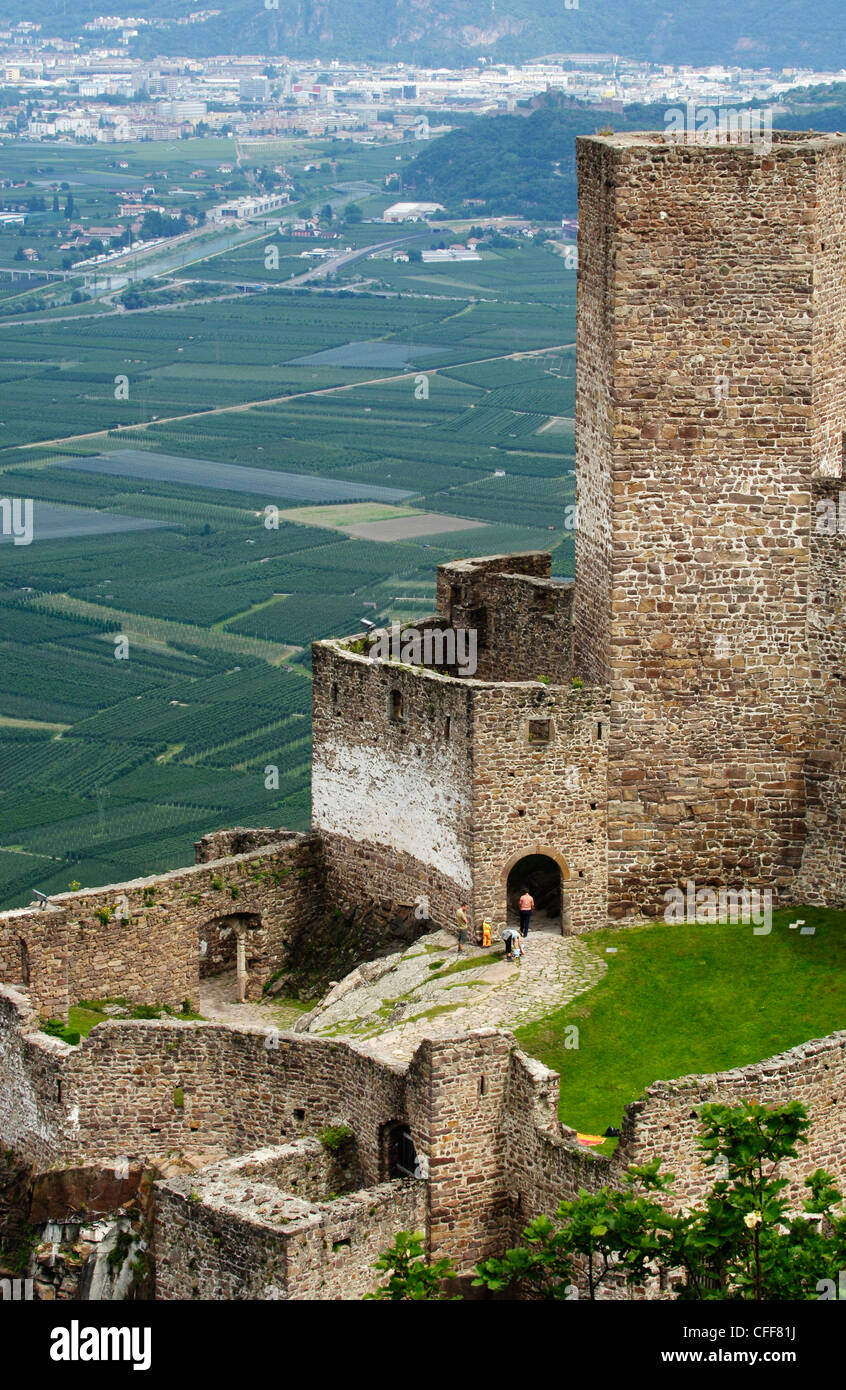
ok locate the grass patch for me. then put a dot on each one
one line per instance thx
(82, 1020)
(678, 1000)
(471, 963)
(433, 1012)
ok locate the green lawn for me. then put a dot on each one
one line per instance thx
(683, 999)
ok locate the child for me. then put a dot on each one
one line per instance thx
(486, 932)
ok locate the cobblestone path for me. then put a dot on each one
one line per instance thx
(431, 990)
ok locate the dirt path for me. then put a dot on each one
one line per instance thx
(219, 1004)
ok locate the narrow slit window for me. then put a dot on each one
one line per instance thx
(396, 704)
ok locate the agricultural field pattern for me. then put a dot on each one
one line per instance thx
(218, 482)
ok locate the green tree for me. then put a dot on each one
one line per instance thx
(610, 1230)
(410, 1277)
(739, 1243)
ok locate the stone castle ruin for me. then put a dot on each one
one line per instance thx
(677, 713)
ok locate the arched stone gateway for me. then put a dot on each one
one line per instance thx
(223, 946)
(544, 872)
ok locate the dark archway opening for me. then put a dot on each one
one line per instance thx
(541, 876)
(399, 1156)
(219, 941)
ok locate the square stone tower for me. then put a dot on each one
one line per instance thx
(711, 401)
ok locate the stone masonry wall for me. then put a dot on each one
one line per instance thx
(223, 844)
(823, 876)
(523, 619)
(695, 456)
(32, 1110)
(148, 950)
(595, 363)
(663, 1124)
(482, 1116)
(391, 784)
(223, 1234)
(535, 797)
(459, 1086)
(139, 1090)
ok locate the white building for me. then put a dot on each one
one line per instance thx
(246, 207)
(411, 212)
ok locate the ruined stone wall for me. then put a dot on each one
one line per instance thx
(32, 1113)
(141, 1089)
(223, 844)
(391, 789)
(544, 1163)
(148, 951)
(522, 618)
(823, 876)
(234, 1232)
(456, 1095)
(663, 1124)
(482, 1117)
(536, 797)
(207, 1085)
(698, 452)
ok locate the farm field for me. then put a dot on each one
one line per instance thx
(155, 677)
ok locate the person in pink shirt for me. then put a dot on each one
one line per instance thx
(527, 906)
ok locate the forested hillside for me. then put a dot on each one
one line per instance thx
(525, 164)
(757, 33)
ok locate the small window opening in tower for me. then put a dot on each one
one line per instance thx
(334, 692)
(540, 730)
(599, 732)
(396, 704)
(447, 726)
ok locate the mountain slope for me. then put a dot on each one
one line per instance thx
(785, 33)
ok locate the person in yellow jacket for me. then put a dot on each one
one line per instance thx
(486, 932)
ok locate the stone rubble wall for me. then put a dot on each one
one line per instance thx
(224, 844)
(523, 619)
(482, 1116)
(458, 1087)
(822, 878)
(663, 1124)
(152, 955)
(137, 1090)
(235, 1232)
(32, 1070)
